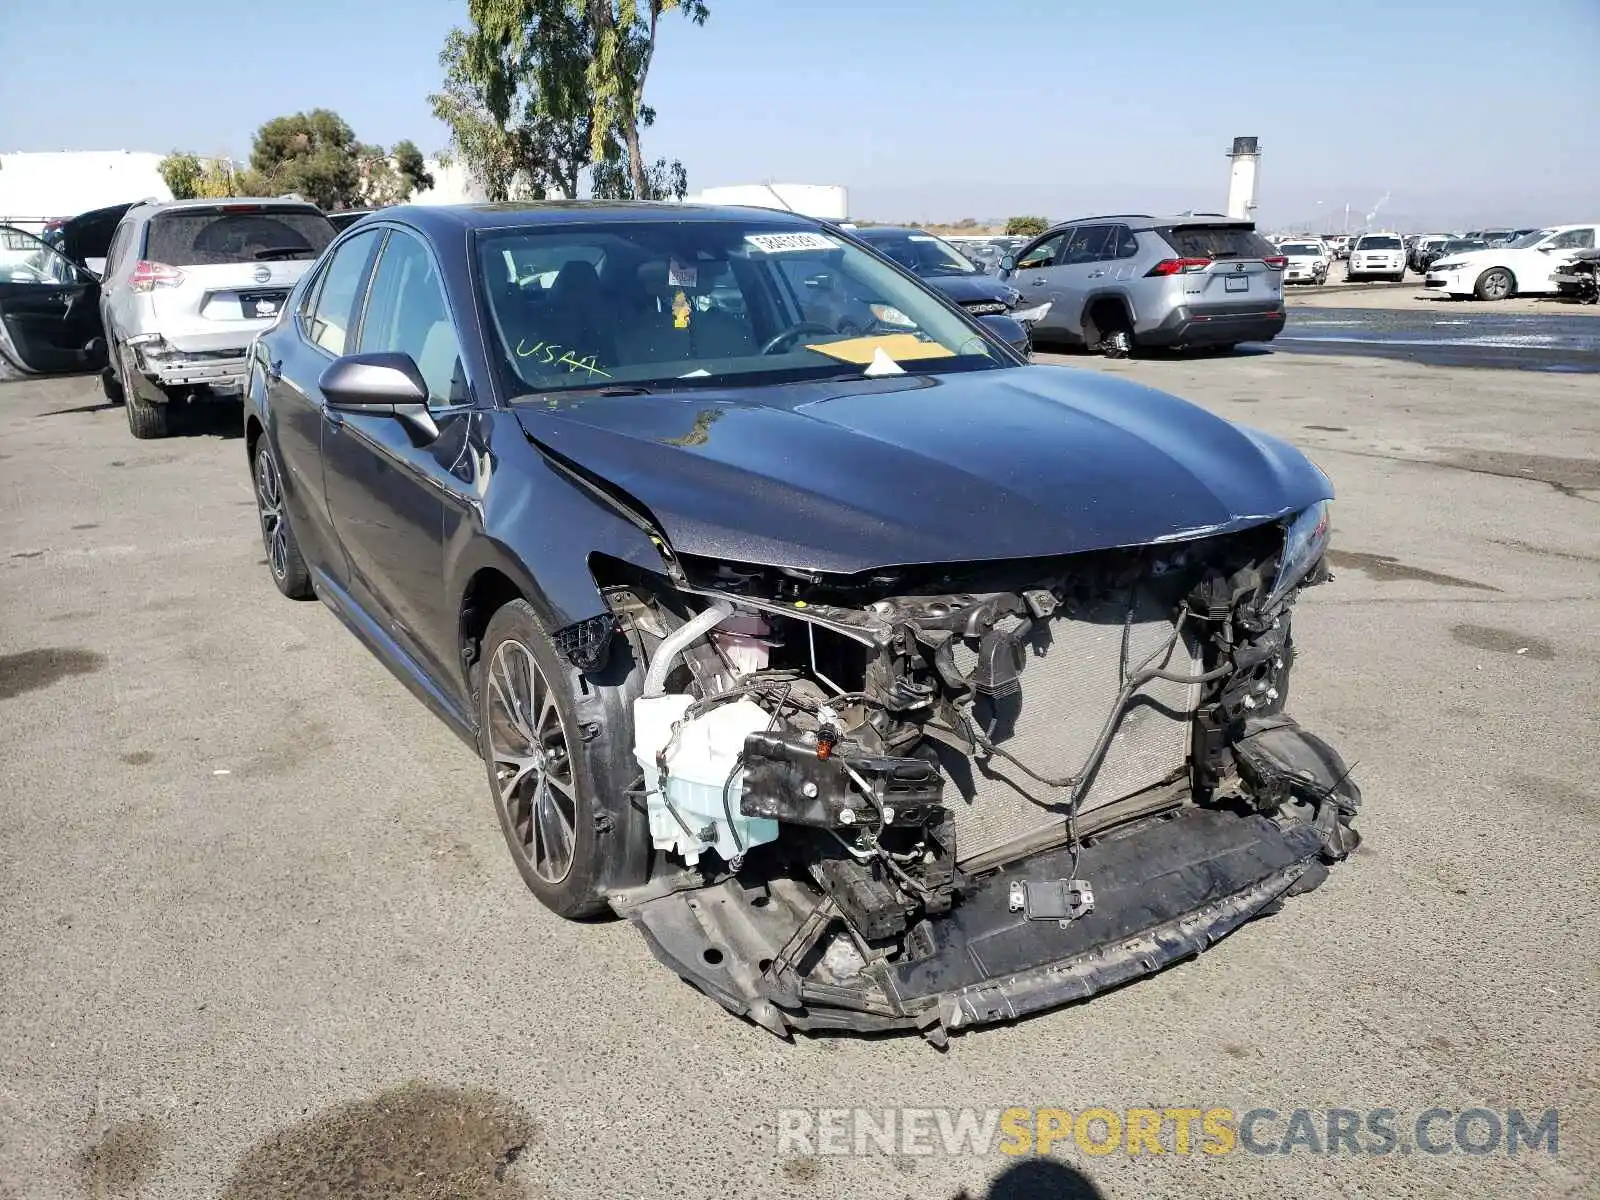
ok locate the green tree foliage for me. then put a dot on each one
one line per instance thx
(314, 154)
(512, 97)
(413, 168)
(623, 36)
(180, 171)
(535, 91)
(190, 177)
(1026, 226)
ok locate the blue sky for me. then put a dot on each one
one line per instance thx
(1461, 110)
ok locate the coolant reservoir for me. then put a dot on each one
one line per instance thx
(697, 769)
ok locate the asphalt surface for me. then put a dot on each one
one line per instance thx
(1564, 341)
(259, 935)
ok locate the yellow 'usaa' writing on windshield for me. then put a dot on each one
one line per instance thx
(552, 354)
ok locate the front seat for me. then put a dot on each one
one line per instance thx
(581, 321)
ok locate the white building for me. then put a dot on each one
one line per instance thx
(451, 185)
(37, 186)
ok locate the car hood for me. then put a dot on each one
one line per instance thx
(984, 465)
(970, 289)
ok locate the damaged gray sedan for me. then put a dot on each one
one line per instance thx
(881, 680)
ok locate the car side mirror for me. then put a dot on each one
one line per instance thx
(383, 383)
(1008, 263)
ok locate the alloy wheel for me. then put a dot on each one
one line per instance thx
(269, 502)
(531, 762)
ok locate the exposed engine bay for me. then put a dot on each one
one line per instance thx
(936, 797)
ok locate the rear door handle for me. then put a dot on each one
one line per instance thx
(1096, 274)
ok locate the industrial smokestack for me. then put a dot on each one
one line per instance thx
(1244, 162)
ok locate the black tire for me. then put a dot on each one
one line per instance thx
(589, 749)
(1496, 283)
(284, 561)
(145, 420)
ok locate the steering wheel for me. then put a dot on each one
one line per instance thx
(778, 341)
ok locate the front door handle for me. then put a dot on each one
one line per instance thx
(1096, 274)
(1040, 282)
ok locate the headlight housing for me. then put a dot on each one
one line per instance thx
(1305, 539)
(1031, 316)
(1447, 266)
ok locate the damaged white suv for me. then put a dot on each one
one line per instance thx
(187, 285)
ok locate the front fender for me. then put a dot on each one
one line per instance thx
(538, 529)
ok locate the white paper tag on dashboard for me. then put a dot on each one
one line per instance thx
(777, 243)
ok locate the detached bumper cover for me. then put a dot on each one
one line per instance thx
(221, 370)
(1165, 889)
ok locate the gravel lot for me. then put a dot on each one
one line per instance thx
(259, 935)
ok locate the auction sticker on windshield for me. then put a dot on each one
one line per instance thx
(777, 243)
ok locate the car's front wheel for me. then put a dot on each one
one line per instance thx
(284, 561)
(1494, 284)
(558, 748)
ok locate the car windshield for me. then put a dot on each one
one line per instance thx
(922, 253)
(678, 304)
(1301, 249)
(1464, 244)
(1378, 243)
(1529, 239)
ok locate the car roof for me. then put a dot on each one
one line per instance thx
(145, 207)
(1142, 221)
(439, 218)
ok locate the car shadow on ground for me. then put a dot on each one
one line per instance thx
(1038, 1179)
(209, 418)
(79, 408)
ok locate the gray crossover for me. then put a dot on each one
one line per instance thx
(1119, 282)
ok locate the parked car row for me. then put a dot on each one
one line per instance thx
(1306, 260)
(1531, 265)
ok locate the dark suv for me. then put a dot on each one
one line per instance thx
(1118, 282)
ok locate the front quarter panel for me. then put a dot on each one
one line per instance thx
(535, 527)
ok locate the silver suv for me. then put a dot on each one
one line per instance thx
(1121, 282)
(188, 284)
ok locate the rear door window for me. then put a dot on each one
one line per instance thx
(212, 237)
(1091, 243)
(1217, 241)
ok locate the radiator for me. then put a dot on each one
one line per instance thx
(1067, 690)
